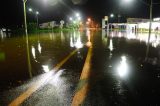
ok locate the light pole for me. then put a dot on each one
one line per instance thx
(25, 19)
(27, 43)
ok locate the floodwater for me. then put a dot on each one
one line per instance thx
(125, 70)
(45, 51)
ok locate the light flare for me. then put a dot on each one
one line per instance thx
(123, 67)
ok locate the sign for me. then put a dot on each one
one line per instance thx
(106, 18)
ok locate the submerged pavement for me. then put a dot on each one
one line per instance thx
(89, 68)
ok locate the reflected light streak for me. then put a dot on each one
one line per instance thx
(119, 34)
(131, 36)
(89, 44)
(45, 68)
(33, 52)
(123, 67)
(78, 44)
(71, 42)
(39, 48)
(111, 45)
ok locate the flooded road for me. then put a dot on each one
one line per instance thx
(108, 69)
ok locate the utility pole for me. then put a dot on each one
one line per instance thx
(27, 42)
(25, 19)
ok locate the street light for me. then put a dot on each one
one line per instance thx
(89, 20)
(37, 13)
(70, 18)
(30, 10)
(77, 15)
(112, 15)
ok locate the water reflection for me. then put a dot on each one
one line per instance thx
(39, 47)
(33, 52)
(2, 35)
(88, 33)
(111, 45)
(142, 37)
(75, 40)
(122, 68)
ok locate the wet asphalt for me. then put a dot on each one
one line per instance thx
(121, 72)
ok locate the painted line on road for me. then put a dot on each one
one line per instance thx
(83, 85)
(19, 100)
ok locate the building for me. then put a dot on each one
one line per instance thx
(51, 24)
(136, 25)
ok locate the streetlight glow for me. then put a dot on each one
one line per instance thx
(30, 9)
(123, 67)
(112, 15)
(89, 20)
(77, 15)
(127, 1)
(37, 13)
(70, 18)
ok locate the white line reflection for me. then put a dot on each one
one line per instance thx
(111, 45)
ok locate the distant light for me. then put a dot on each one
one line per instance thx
(112, 15)
(123, 67)
(70, 18)
(89, 20)
(77, 15)
(37, 12)
(30, 10)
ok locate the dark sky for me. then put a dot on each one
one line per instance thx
(11, 11)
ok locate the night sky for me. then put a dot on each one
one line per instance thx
(11, 11)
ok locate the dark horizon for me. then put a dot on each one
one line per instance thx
(12, 11)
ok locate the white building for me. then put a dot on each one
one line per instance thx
(142, 25)
(51, 24)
